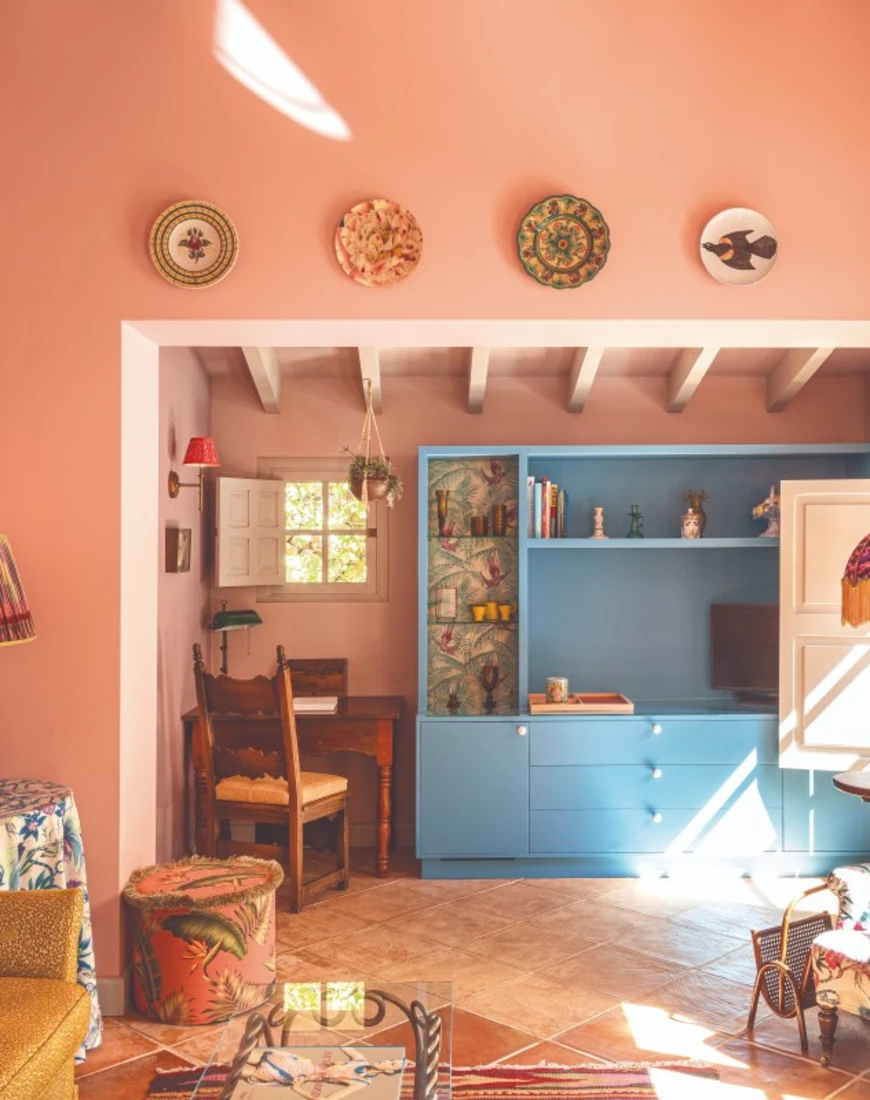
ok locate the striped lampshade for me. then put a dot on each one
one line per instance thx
(16, 622)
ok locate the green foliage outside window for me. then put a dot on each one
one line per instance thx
(326, 534)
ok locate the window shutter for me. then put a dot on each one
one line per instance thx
(250, 532)
(824, 666)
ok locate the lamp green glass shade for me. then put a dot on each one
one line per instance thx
(234, 620)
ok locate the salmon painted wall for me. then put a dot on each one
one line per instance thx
(380, 639)
(466, 112)
(183, 598)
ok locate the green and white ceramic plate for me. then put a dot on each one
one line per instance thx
(563, 241)
(194, 244)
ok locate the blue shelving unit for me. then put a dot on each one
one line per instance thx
(527, 789)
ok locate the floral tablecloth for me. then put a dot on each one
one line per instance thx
(41, 849)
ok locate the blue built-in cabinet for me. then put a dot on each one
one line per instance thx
(690, 776)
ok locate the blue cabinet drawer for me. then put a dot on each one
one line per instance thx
(633, 740)
(473, 789)
(819, 818)
(612, 786)
(740, 828)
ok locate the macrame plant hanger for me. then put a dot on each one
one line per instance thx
(370, 426)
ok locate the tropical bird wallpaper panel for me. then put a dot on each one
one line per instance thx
(472, 570)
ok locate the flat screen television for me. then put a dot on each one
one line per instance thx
(744, 650)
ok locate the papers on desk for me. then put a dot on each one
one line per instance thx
(315, 704)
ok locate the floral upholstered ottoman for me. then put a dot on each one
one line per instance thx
(204, 937)
(841, 958)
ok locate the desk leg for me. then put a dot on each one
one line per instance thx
(385, 801)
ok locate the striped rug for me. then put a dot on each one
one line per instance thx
(636, 1081)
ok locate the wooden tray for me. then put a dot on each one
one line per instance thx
(586, 702)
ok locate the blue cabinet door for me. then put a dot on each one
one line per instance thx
(473, 789)
(819, 818)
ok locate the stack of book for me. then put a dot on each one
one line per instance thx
(547, 508)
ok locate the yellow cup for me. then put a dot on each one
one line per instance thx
(506, 611)
(478, 611)
(491, 607)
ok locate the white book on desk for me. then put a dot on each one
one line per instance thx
(315, 704)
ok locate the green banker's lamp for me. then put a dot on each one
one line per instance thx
(16, 621)
(231, 620)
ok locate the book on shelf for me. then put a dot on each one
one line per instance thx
(315, 704)
(549, 510)
(321, 1073)
(530, 506)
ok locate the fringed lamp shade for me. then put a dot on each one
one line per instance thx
(16, 622)
(201, 451)
(856, 585)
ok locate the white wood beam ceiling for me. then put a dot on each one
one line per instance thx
(791, 374)
(478, 369)
(687, 374)
(266, 376)
(584, 367)
(370, 371)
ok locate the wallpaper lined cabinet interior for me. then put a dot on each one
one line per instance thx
(471, 541)
(693, 773)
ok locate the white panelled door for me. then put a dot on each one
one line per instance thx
(824, 666)
(250, 532)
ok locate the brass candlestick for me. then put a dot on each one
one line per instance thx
(490, 677)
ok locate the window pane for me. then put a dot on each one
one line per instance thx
(304, 560)
(344, 509)
(347, 559)
(304, 503)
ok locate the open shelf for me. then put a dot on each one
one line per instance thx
(651, 544)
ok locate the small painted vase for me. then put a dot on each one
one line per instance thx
(690, 527)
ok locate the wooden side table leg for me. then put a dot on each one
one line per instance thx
(385, 800)
(827, 1028)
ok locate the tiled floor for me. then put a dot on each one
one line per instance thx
(570, 970)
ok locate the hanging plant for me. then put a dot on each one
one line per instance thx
(371, 476)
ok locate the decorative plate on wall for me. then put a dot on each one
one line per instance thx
(193, 244)
(563, 241)
(378, 242)
(739, 246)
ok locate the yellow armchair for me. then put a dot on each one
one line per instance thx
(44, 1012)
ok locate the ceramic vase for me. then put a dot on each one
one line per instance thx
(690, 528)
(696, 504)
(442, 500)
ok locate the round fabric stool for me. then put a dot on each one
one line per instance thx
(203, 937)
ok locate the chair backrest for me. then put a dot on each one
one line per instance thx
(318, 675)
(246, 727)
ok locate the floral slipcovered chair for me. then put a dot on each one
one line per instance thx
(841, 958)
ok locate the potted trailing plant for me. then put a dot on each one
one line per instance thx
(371, 476)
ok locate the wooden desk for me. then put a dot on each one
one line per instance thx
(362, 723)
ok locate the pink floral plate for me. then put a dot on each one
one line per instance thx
(378, 242)
(563, 241)
(194, 244)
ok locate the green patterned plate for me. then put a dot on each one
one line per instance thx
(563, 241)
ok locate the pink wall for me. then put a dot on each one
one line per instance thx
(380, 639)
(183, 598)
(113, 111)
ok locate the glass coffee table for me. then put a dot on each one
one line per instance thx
(298, 1034)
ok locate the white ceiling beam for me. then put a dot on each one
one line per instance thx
(791, 374)
(370, 369)
(584, 367)
(478, 370)
(266, 376)
(686, 375)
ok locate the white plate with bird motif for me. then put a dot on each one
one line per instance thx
(739, 246)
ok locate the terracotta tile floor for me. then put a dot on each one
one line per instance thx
(529, 959)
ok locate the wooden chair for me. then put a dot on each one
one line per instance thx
(252, 773)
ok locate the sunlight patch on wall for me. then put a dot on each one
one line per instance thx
(249, 53)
